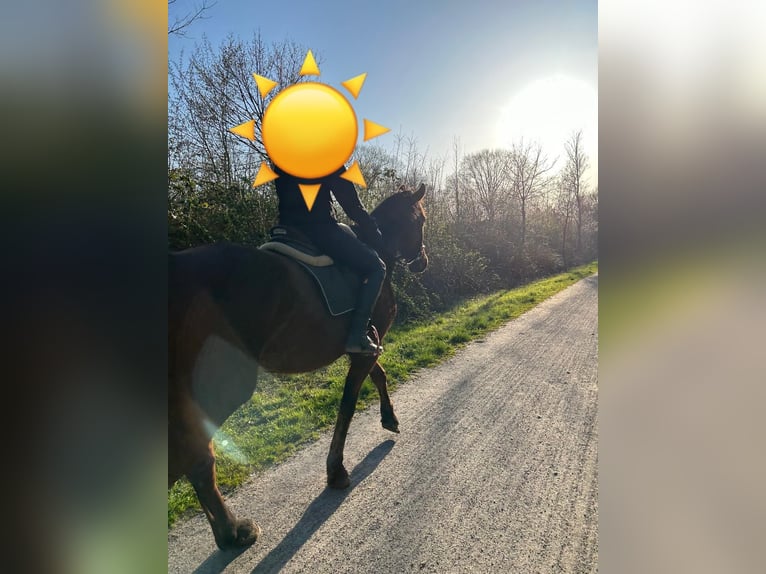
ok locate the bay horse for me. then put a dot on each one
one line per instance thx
(234, 309)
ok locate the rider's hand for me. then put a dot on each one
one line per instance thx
(375, 237)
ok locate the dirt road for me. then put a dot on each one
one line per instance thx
(495, 469)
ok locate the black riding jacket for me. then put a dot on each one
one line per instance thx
(293, 210)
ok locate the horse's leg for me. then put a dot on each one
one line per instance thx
(387, 417)
(228, 530)
(199, 466)
(337, 476)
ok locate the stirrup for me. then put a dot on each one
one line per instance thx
(364, 347)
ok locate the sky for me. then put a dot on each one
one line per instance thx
(488, 72)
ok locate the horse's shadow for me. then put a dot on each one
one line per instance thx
(313, 517)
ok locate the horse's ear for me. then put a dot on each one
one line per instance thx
(418, 194)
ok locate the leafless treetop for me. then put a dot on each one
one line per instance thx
(181, 22)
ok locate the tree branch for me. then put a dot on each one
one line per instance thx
(181, 23)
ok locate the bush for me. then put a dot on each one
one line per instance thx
(201, 213)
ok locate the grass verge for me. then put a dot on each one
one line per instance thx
(287, 412)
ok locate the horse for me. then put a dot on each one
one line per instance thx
(234, 309)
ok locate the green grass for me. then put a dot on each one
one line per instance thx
(287, 412)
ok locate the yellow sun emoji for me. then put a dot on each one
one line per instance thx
(309, 130)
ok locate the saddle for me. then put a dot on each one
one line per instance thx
(338, 285)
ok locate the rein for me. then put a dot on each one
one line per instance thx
(395, 257)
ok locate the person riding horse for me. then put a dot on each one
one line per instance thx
(321, 227)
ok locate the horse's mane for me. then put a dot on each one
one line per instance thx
(394, 205)
(389, 212)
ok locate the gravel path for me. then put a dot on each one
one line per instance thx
(495, 469)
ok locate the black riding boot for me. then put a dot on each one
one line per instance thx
(358, 341)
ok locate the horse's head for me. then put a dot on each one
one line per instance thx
(401, 218)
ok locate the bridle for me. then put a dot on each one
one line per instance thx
(418, 257)
(398, 257)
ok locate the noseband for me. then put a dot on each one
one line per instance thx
(399, 257)
(418, 257)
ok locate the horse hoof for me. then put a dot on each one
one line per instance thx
(339, 479)
(246, 533)
(393, 426)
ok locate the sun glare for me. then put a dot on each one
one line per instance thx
(547, 111)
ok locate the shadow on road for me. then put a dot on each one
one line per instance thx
(313, 517)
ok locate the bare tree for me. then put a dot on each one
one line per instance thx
(378, 170)
(182, 21)
(457, 158)
(574, 179)
(214, 91)
(414, 162)
(528, 166)
(486, 174)
(564, 208)
(590, 224)
(434, 174)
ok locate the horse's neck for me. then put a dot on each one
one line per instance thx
(365, 238)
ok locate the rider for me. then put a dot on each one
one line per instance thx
(321, 227)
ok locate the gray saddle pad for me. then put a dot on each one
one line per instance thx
(339, 286)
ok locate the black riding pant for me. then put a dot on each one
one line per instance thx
(346, 250)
